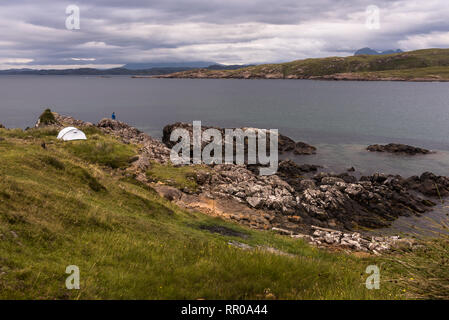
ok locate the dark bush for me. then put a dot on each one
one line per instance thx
(47, 117)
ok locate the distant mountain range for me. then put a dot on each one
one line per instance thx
(158, 65)
(370, 51)
(141, 69)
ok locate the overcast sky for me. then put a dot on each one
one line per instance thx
(114, 32)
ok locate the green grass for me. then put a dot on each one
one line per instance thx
(59, 207)
(437, 73)
(105, 151)
(181, 177)
(425, 271)
(32, 133)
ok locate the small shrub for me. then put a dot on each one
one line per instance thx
(47, 117)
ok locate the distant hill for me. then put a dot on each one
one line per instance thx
(92, 71)
(420, 65)
(228, 67)
(152, 65)
(154, 70)
(370, 51)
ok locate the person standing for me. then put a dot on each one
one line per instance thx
(113, 116)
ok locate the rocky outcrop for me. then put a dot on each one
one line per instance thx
(285, 144)
(149, 148)
(327, 200)
(397, 148)
(260, 192)
(371, 202)
(221, 206)
(2, 126)
(122, 130)
(63, 121)
(296, 197)
(295, 174)
(304, 148)
(289, 168)
(429, 184)
(323, 237)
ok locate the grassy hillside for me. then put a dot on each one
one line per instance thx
(430, 64)
(66, 205)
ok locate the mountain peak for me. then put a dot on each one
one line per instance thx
(370, 51)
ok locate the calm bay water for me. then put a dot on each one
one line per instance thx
(340, 118)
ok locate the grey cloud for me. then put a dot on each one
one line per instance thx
(233, 31)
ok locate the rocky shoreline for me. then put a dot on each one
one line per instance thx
(285, 144)
(297, 199)
(276, 75)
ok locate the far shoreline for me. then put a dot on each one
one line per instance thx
(310, 79)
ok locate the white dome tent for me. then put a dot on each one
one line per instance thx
(71, 133)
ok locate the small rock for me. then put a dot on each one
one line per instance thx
(254, 201)
(240, 245)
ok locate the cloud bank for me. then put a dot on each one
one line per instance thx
(112, 32)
